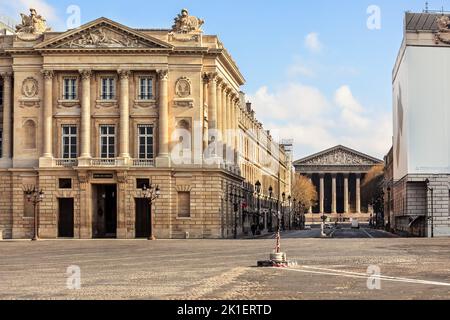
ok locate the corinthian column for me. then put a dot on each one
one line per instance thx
(224, 113)
(124, 114)
(48, 113)
(85, 114)
(333, 194)
(219, 109)
(7, 88)
(212, 101)
(346, 203)
(163, 155)
(358, 193)
(322, 193)
(205, 111)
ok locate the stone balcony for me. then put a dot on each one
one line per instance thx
(104, 163)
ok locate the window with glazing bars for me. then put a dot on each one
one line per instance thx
(69, 142)
(70, 89)
(107, 141)
(146, 88)
(145, 141)
(108, 89)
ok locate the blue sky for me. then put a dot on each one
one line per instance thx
(314, 71)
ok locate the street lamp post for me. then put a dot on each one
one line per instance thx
(235, 197)
(34, 196)
(258, 192)
(290, 212)
(389, 208)
(151, 194)
(283, 196)
(270, 207)
(427, 181)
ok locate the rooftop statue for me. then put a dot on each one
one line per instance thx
(184, 23)
(32, 26)
(443, 35)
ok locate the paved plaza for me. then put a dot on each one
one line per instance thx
(225, 269)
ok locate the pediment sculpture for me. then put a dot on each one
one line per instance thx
(103, 38)
(443, 35)
(32, 26)
(338, 157)
(184, 23)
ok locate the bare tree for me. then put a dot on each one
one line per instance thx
(304, 192)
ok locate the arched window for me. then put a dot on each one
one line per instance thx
(30, 134)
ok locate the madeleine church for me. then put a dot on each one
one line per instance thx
(92, 115)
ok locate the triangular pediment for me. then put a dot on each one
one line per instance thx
(338, 156)
(103, 34)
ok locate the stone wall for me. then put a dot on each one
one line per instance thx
(5, 204)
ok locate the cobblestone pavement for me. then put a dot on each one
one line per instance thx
(224, 269)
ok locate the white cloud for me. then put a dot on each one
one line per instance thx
(13, 9)
(315, 122)
(313, 43)
(299, 67)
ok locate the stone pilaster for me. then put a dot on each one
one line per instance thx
(205, 112)
(47, 119)
(85, 116)
(219, 110)
(7, 117)
(212, 101)
(163, 159)
(124, 115)
(224, 113)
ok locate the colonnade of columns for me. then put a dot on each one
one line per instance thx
(222, 103)
(7, 116)
(321, 195)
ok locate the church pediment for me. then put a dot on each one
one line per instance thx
(103, 34)
(338, 156)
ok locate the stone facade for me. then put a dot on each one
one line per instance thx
(91, 115)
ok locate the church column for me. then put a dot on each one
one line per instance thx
(333, 194)
(346, 202)
(124, 114)
(358, 193)
(7, 89)
(163, 159)
(311, 181)
(86, 114)
(322, 193)
(48, 114)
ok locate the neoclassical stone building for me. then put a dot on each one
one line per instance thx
(93, 114)
(337, 174)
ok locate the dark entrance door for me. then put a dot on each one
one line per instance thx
(65, 218)
(142, 218)
(105, 211)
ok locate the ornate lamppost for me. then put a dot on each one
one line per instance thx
(35, 197)
(258, 192)
(270, 207)
(151, 194)
(235, 198)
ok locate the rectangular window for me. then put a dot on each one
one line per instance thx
(140, 183)
(145, 88)
(108, 89)
(145, 142)
(184, 204)
(69, 142)
(70, 89)
(65, 183)
(107, 141)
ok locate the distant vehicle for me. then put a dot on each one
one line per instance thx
(355, 224)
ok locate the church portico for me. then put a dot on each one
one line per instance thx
(337, 175)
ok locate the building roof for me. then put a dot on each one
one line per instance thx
(421, 21)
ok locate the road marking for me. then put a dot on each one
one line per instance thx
(365, 231)
(349, 274)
